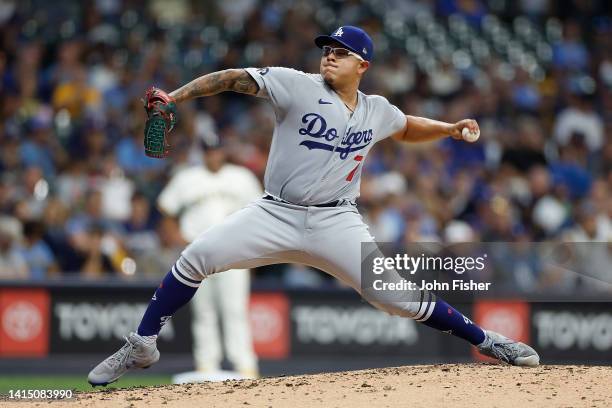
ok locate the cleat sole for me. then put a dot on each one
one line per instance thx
(530, 361)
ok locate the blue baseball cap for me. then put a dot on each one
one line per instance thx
(353, 38)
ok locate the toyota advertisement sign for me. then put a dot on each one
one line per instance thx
(41, 321)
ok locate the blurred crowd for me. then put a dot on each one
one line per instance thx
(78, 195)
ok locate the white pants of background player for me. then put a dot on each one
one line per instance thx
(224, 297)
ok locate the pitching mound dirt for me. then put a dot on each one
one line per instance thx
(449, 385)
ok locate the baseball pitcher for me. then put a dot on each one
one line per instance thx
(324, 129)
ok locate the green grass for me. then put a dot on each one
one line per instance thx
(73, 382)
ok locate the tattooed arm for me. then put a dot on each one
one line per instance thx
(236, 80)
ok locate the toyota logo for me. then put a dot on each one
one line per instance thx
(22, 321)
(266, 322)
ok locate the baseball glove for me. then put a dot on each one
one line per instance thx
(161, 118)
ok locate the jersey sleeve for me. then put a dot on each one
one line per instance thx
(275, 84)
(391, 118)
(170, 199)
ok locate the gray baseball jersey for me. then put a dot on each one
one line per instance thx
(316, 157)
(318, 148)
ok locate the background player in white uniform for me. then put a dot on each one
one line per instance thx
(324, 129)
(203, 196)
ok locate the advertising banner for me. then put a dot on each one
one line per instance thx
(96, 320)
(572, 332)
(342, 324)
(35, 322)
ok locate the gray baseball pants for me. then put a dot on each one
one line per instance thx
(270, 232)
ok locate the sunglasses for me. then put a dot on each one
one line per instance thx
(340, 52)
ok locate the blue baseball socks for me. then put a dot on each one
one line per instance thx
(446, 318)
(169, 297)
(172, 294)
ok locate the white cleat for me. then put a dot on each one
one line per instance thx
(512, 352)
(138, 352)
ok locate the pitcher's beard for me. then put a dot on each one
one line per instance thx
(329, 80)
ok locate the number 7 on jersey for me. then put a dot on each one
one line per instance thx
(358, 159)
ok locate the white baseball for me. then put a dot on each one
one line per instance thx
(469, 136)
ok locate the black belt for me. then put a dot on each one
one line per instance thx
(331, 204)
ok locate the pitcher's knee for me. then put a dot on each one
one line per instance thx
(198, 259)
(189, 270)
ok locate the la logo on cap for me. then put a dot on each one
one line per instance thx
(338, 32)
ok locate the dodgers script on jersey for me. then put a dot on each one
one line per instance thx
(318, 148)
